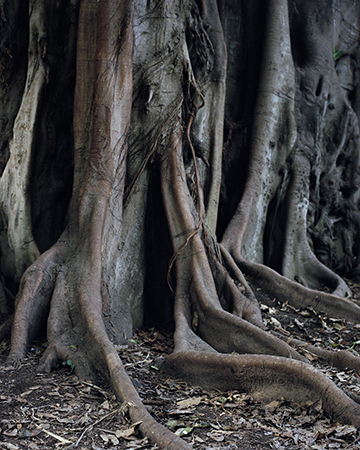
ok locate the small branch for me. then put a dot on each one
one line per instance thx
(90, 427)
(55, 436)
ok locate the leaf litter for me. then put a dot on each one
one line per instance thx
(58, 410)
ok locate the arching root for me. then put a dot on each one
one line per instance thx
(297, 295)
(341, 359)
(265, 378)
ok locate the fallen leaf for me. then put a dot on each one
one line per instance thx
(10, 446)
(270, 407)
(346, 430)
(114, 440)
(126, 432)
(175, 412)
(188, 402)
(104, 437)
(275, 322)
(105, 405)
(175, 423)
(304, 313)
(299, 324)
(201, 424)
(28, 433)
(183, 431)
(217, 437)
(310, 356)
(339, 327)
(11, 433)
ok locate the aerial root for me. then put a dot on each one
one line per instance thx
(265, 378)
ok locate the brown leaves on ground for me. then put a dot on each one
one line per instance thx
(59, 411)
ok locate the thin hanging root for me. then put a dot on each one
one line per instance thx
(297, 295)
(197, 177)
(178, 253)
(198, 188)
(265, 378)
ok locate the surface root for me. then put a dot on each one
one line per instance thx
(265, 378)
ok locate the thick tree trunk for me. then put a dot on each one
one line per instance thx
(192, 144)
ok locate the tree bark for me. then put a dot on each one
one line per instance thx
(195, 145)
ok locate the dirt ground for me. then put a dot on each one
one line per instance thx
(57, 410)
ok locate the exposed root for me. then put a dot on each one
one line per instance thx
(265, 378)
(33, 300)
(341, 359)
(216, 311)
(196, 289)
(297, 295)
(299, 262)
(86, 344)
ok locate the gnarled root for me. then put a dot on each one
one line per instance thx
(297, 295)
(84, 341)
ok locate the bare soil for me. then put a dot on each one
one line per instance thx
(57, 410)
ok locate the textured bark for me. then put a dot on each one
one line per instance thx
(154, 155)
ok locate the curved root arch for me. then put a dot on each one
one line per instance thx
(265, 378)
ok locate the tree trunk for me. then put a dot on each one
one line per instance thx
(157, 155)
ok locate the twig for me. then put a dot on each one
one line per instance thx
(101, 390)
(138, 362)
(59, 438)
(90, 427)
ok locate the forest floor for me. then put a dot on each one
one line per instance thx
(57, 410)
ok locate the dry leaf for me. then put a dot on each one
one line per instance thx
(114, 440)
(104, 437)
(346, 430)
(176, 412)
(10, 446)
(126, 432)
(270, 407)
(275, 322)
(28, 433)
(187, 403)
(216, 436)
(11, 433)
(105, 405)
(339, 327)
